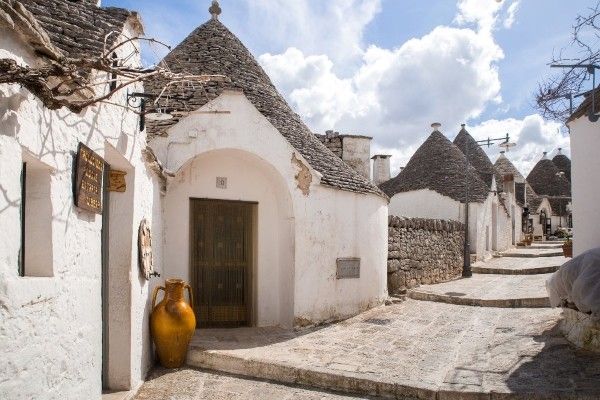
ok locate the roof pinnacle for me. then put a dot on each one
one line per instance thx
(215, 10)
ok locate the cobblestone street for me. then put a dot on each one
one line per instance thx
(412, 350)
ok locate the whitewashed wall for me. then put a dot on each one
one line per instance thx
(51, 336)
(585, 184)
(426, 203)
(299, 236)
(430, 204)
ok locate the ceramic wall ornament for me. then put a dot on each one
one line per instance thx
(145, 250)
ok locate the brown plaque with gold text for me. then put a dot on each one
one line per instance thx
(89, 168)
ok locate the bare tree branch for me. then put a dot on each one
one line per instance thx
(77, 83)
(552, 94)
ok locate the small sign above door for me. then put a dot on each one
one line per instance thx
(116, 181)
(221, 182)
(89, 171)
(348, 268)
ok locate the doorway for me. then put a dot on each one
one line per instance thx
(221, 262)
(494, 227)
(116, 246)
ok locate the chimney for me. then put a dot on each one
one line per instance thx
(356, 152)
(381, 168)
(545, 155)
(436, 126)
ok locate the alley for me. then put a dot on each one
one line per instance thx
(416, 349)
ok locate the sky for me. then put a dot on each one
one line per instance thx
(390, 68)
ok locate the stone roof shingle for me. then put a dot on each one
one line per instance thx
(477, 157)
(544, 179)
(78, 27)
(440, 166)
(214, 49)
(563, 163)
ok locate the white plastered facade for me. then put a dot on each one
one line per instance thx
(51, 336)
(302, 228)
(484, 241)
(585, 184)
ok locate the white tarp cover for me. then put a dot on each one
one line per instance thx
(578, 282)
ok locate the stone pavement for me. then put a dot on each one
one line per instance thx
(485, 290)
(519, 266)
(414, 350)
(192, 384)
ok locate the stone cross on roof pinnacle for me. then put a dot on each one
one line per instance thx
(215, 10)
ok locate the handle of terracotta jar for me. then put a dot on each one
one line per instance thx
(189, 288)
(155, 293)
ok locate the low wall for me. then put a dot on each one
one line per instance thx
(423, 251)
(581, 329)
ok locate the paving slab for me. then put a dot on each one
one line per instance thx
(519, 266)
(414, 350)
(193, 384)
(509, 291)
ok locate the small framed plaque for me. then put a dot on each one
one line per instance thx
(348, 268)
(221, 182)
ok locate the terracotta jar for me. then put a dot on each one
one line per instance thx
(172, 323)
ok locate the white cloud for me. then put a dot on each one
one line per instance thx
(486, 13)
(448, 75)
(511, 14)
(533, 136)
(333, 27)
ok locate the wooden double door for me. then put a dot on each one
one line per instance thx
(221, 247)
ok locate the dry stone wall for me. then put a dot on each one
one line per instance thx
(423, 251)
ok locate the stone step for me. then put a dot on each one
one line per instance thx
(541, 247)
(523, 254)
(531, 302)
(522, 271)
(488, 290)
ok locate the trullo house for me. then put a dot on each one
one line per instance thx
(511, 183)
(505, 227)
(432, 185)
(312, 242)
(267, 224)
(552, 185)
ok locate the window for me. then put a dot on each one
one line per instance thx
(35, 258)
(113, 76)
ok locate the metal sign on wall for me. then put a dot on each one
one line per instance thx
(348, 268)
(89, 168)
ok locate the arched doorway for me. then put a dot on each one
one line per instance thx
(230, 232)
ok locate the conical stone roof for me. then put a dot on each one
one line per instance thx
(477, 157)
(503, 166)
(213, 49)
(440, 166)
(544, 179)
(563, 163)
